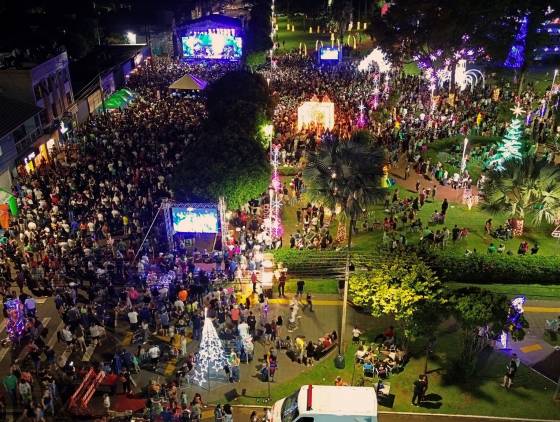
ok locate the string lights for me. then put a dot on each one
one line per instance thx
(16, 320)
(211, 358)
(275, 214)
(516, 55)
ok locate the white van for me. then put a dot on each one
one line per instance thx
(324, 403)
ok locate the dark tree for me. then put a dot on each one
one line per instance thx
(260, 27)
(240, 100)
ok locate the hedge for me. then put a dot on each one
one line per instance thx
(495, 268)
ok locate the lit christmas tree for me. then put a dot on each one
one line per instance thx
(211, 359)
(511, 145)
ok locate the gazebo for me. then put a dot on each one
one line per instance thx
(189, 83)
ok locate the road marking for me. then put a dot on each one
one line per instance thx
(54, 338)
(3, 352)
(89, 352)
(3, 324)
(127, 339)
(531, 348)
(541, 310)
(170, 367)
(320, 302)
(41, 300)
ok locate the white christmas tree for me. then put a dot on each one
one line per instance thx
(211, 356)
(510, 147)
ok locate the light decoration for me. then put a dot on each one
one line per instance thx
(211, 358)
(374, 100)
(516, 55)
(161, 281)
(386, 87)
(361, 122)
(464, 77)
(275, 229)
(514, 320)
(510, 147)
(16, 320)
(377, 57)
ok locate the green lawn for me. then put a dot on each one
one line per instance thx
(532, 291)
(457, 213)
(481, 395)
(315, 285)
(289, 41)
(552, 338)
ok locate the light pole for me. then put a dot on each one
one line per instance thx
(464, 159)
(554, 77)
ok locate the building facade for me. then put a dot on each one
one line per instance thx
(20, 127)
(47, 87)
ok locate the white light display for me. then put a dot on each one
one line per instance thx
(211, 358)
(377, 56)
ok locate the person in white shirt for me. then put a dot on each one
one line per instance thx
(133, 319)
(179, 305)
(67, 335)
(154, 353)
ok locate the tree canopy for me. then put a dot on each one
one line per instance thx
(526, 188)
(402, 287)
(260, 27)
(228, 158)
(346, 174)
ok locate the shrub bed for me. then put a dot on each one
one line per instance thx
(485, 268)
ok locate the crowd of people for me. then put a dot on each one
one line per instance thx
(80, 235)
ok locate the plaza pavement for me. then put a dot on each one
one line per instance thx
(325, 318)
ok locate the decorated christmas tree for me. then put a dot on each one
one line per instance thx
(211, 358)
(511, 146)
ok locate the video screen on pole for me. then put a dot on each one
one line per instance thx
(209, 45)
(329, 54)
(195, 220)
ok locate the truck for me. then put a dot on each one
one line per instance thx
(325, 403)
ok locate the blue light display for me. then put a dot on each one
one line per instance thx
(516, 56)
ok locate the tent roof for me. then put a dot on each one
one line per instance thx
(189, 82)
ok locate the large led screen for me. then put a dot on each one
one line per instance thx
(195, 220)
(329, 53)
(212, 46)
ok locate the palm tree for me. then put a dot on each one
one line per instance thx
(346, 176)
(530, 187)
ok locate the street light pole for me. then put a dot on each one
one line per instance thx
(464, 159)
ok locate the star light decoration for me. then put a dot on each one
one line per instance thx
(362, 121)
(211, 358)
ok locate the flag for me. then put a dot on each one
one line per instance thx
(9, 199)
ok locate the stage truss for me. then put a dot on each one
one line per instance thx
(167, 205)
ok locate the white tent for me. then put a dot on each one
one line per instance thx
(316, 112)
(189, 82)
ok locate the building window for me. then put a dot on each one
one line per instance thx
(19, 133)
(44, 118)
(68, 98)
(37, 91)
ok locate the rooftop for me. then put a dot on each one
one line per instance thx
(13, 113)
(332, 400)
(84, 71)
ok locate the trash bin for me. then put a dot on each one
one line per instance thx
(339, 362)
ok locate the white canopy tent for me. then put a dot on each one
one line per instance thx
(189, 83)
